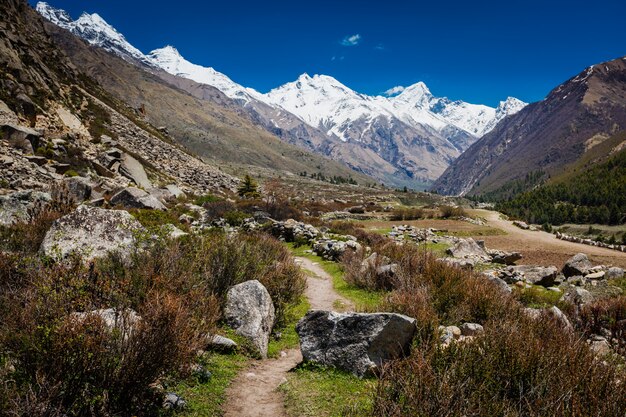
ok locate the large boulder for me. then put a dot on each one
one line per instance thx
(614, 273)
(468, 249)
(537, 275)
(16, 207)
(355, 342)
(578, 264)
(250, 312)
(20, 137)
(132, 197)
(91, 232)
(502, 257)
(124, 321)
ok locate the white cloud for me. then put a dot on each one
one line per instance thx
(395, 90)
(380, 47)
(351, 40)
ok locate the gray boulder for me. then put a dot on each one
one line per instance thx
(537, 275)
(468, 249)
(250, 312)
(78, 189)
(355, 342)
(471, 329)
(502, 257)
(15, 207)
(123, 321)
(133, 170)
(174, 402)
(91, 232)
(220, 343)
(132, 197)
(20, 137)
(577, 296)
(578, 264)
(614, 273)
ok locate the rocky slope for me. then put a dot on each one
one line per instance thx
(55, 122)
(546, 136)
(408, 139)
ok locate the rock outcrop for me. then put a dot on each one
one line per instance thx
(355, 342)
(250, 312)
(91, 232)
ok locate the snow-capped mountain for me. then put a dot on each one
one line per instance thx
(95, 30)
(170, 60)
(406, 138)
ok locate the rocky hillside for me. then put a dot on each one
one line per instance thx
(546, 136)
(57, 122)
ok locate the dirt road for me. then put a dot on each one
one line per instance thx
(543, 248)
(254, 392)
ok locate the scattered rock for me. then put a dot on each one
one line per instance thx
(174, 402)
(355, 342)
(579, 264)
(220, 343)
(577, 296)
(91, 232)
(20, 137)
(596, 275)
(536, 275)
(132, 197)
(250, 312)
(471, 329)
(502, 257)
(614, 273)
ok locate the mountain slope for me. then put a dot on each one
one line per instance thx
(544, 136)
(213, 127)
(409, 139)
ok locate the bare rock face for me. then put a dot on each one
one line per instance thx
(91, 232)
(355, 342)
(578, 264)
(250, 312)
(20, 137)
(132, 197)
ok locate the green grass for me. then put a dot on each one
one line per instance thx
(289, 338)
(438, 249)
(362, 299)
(206, 399)
(487, 231)
(322, 392)
(538, 297)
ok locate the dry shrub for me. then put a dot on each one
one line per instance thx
(411, 213)
(519, 367)
(344, 227)
(64, 362)
(448, 212)
(605, 315)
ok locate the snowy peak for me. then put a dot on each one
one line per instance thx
(510, 106)
(94, 29)
(57, 16)
(171, 61)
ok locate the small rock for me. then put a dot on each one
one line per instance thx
(471, 329)
(174, 402)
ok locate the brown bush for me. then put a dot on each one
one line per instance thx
(519, 367)
(604, 315)
(411, 213)
(450, 212)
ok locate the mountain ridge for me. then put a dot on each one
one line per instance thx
(405, 140)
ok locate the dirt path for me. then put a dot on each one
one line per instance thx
(254, 392)
(543, 248)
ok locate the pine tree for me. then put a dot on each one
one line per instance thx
(248, 188)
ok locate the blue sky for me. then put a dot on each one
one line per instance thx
(477, 51)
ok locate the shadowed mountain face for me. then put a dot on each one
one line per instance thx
(545, 136)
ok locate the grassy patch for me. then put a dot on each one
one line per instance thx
(322, 392)
(438, 249)
(486, 231)
(362, 299)
(289, 338)
(206, 399)
(538, 297)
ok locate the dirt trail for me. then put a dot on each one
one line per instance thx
(254, 392)
(543, 248)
